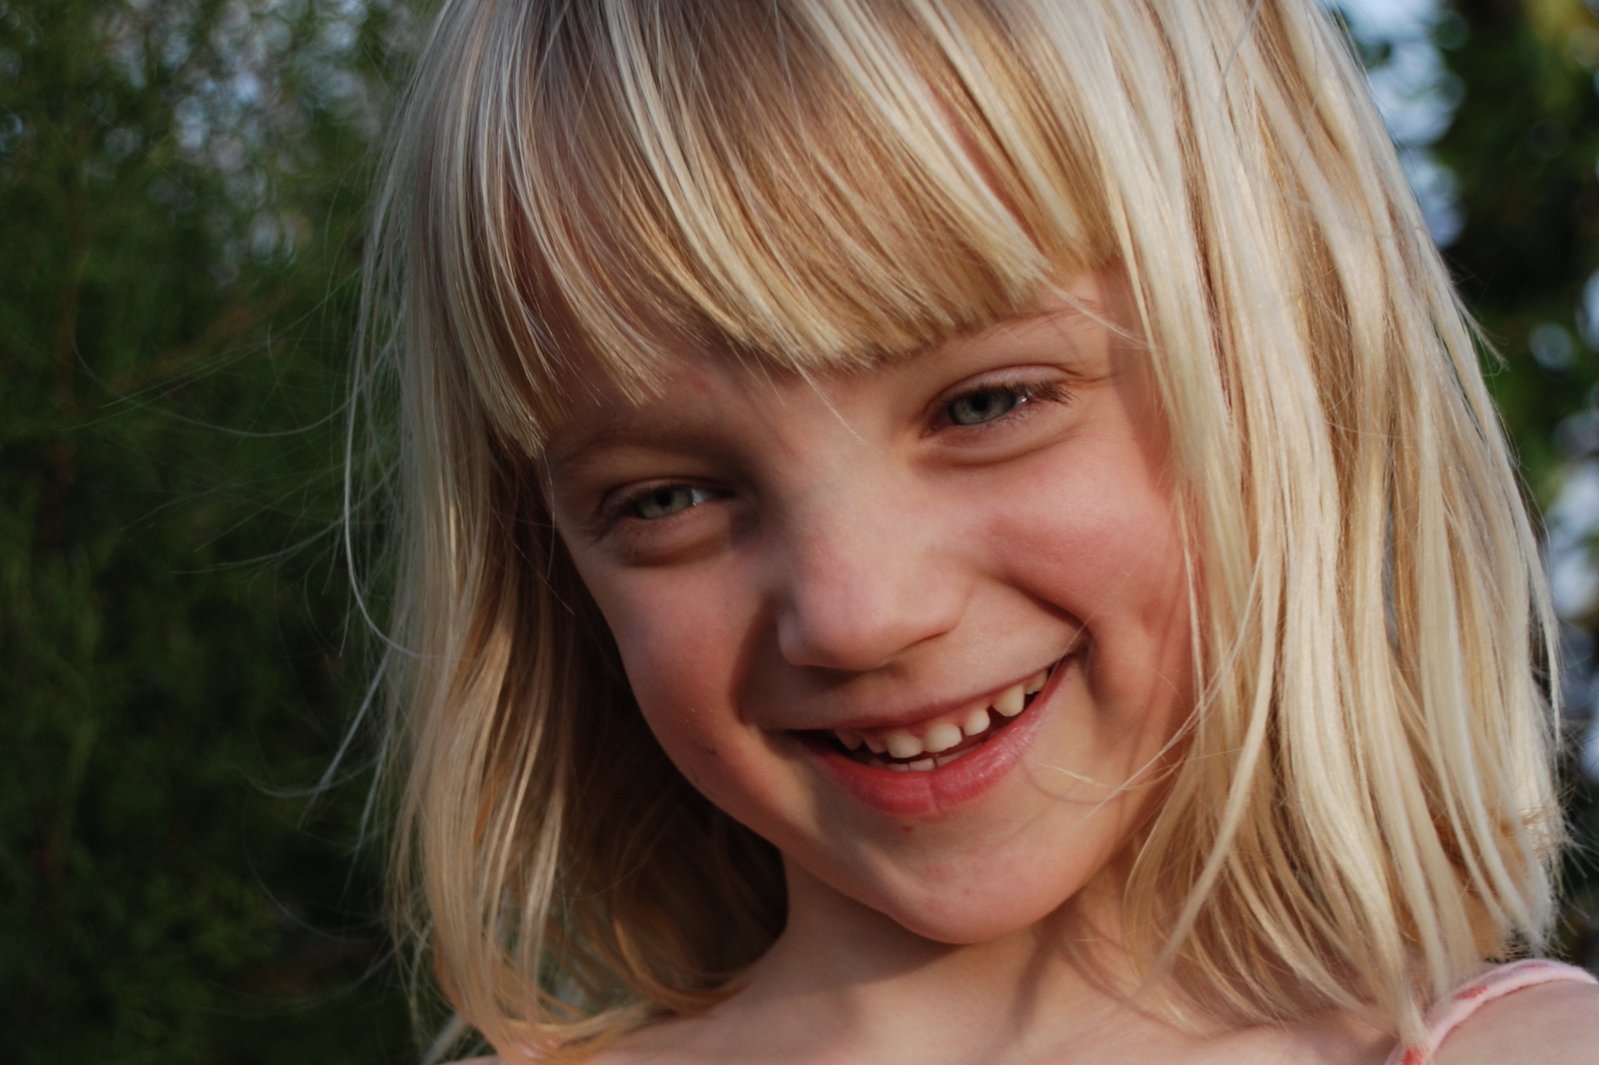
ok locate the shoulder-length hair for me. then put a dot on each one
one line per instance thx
(1365, 808)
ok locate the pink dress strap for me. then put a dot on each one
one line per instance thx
(1498, 982)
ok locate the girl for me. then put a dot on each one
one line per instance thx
(952, 531)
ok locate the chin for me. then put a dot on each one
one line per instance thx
(976, 922)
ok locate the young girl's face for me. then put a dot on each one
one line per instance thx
(924, 628)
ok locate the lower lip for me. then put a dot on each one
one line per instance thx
(933, 792)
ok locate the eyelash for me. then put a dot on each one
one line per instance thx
(1023, 395)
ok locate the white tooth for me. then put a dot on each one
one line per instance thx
(898, 767)
(1009, 704)
(941, 737)
(921, 765)
(976, 723)
(1035, 683)
(945, 759)
(850, 740)
(875, 745)
(902, 744)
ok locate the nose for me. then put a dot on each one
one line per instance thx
(862, 581)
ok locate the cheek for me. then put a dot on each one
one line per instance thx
(1114, 545)
(1110, 554)
(672, 678)
(680, 659)
(665, 640)
(674, 697)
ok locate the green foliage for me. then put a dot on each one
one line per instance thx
(182, 187)
(1523, 148)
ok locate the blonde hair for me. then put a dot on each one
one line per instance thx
(1365, 809)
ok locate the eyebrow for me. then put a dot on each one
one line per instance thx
(618, 423)
(610, 427)
(570, 446)
(658, 422)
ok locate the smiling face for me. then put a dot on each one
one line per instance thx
(924, 628)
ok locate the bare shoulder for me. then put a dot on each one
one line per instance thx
(607, 1055)
(1550, 1024)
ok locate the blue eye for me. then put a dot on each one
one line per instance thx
(986, 404)
(665, 501)
(999, 403)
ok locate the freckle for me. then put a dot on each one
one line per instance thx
(907, 829)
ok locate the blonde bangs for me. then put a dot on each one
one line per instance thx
(859, 184)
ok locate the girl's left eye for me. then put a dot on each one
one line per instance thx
(989, 403)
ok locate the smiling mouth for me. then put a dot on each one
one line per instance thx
(940, 741)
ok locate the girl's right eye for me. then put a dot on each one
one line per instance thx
(662, 522)
(662, 501)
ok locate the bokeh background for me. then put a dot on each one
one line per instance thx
(182, 192)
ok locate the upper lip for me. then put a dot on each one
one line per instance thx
(915, 715)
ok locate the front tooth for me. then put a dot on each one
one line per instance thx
(902, 744)
(941, 737)
(850, 740)
(976, 723)
(921, 765)
(1036, 682)
(875, 745)
(1009, 704)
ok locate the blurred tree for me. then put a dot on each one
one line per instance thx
(1495, 106)
(181, 189)
(1523, 150)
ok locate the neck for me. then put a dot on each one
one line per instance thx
(844, 969)
(844, 983)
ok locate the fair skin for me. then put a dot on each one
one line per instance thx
(971, 560)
